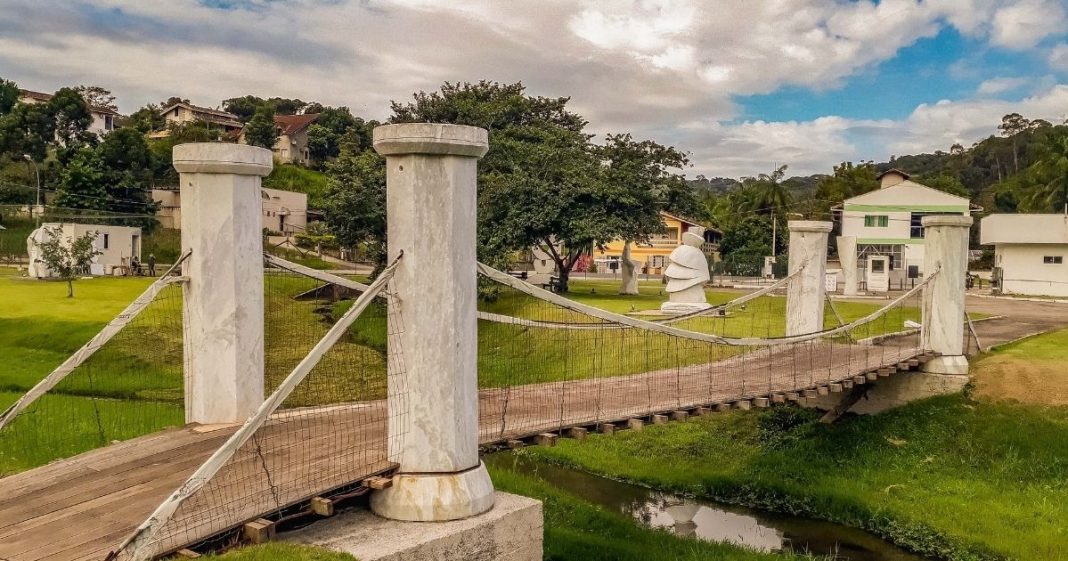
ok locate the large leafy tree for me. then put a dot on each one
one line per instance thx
(1050, 173)
(9, 96)
(261, 130)
(114, 176)
(542, 183)
(97, 96)
(849, 180)
(356, 200)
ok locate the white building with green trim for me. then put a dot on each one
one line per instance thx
(887, 222)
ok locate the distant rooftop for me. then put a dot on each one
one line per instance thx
(44, 97)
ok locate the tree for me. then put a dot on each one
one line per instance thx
(148, 119)
(541, 183)
(9, 96)
(70, 115)
(98, 97)
(945, 182)
(114, 176)
(1051, 174)
(770, 194)
(245, 107)
(69, 257)
(849, 180)
(1012, 125)
(355, 206)
(261, 130)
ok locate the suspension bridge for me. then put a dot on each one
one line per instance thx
(241, 391)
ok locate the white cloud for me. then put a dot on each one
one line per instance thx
(1058, 57)
(1024, 24)
(1001, 84)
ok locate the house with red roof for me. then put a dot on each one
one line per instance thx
(292, 144)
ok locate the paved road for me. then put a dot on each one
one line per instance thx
(1022, 318)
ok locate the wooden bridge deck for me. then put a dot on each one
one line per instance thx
(83, 507)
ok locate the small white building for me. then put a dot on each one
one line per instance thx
(116, 244)
(1030, 252)
(283, 211)
(887, 224)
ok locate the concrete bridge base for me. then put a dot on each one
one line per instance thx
(511, 531)
(895, 391)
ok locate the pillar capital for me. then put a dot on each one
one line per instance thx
(431, 138)
(951, 220)
(817, 226)
(222, 158)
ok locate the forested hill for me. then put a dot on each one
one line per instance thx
(1023, 169)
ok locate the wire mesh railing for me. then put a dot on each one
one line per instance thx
(124, 382)
(326, 423)
(559, 363)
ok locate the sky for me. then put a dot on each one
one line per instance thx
(741, 85)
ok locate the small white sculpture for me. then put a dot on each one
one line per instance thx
(629, 268)
(687, 273)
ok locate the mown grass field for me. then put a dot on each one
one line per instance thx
(952, 477)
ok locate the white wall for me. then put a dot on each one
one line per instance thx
(898, 225)
(1024, 272)
(116, 244)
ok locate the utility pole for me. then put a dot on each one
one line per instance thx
(37, 174)
(774, 232)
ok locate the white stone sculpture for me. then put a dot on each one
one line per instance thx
(629, 268)
(687, 272)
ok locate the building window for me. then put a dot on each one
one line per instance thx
(109, 122)
(876, 221)
(107, 240)
(1053, 259)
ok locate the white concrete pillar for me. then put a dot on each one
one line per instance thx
(805, 293)
(847, 256)
(431, 186)
(945, 247)
(223, 300)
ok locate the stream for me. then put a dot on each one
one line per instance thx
(709, 520)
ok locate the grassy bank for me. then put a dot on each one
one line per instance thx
(947, 477)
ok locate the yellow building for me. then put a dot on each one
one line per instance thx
(652, 255)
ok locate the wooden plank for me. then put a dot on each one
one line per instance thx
(679, 415)
(761, 402)
(545, 439)
(635, 424)
(835, 387)
(379, 483)
(606, 428)
(659, 419)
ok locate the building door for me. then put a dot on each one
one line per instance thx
(878, 277)
(135, 247)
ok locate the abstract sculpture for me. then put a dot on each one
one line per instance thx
(686, 274)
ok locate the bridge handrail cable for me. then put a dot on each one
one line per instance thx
(531, 290)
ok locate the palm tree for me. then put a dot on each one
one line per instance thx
(770, 195)
(1051, 169)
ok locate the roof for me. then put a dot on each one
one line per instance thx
(43, 97)
(893, 170)
(1024, 229)
(292, 124)
(691, 221)
(206, 114)
(199, 109)
(908, 195)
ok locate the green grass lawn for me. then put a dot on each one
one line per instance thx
(139, 372)
(949, 477)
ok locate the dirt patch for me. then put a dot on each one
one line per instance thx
(1027, 380)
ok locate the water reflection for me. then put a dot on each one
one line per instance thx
(708, 520)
